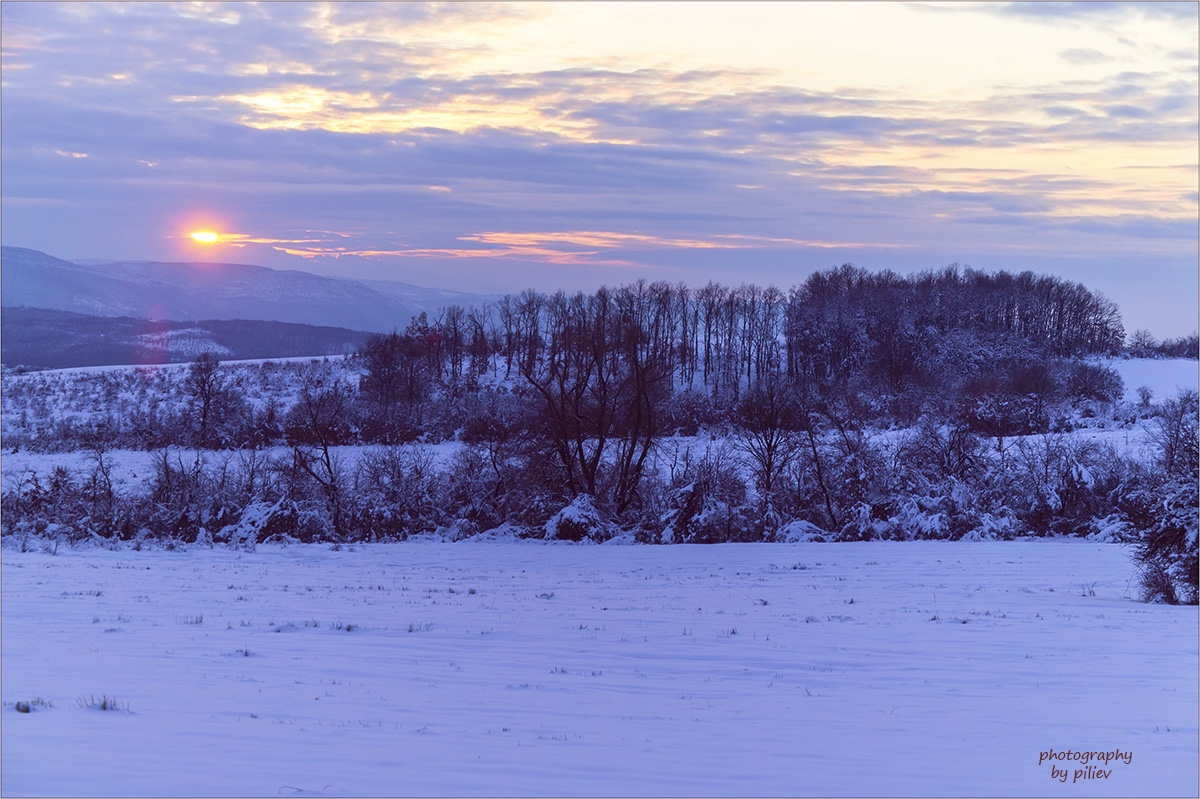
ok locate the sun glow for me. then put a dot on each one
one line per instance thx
(205, 236)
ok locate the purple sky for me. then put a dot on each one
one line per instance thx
(497, 147)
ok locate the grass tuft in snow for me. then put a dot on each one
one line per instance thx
(30, 706)
(104, 702)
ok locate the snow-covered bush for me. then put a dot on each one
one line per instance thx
(1167, 551)
(252, 527)
(189, 493)
(396, 492)
(1160, 504)
(1057, 483)
(937, 453)
(578, 521)
(798, 532)
(707, 503)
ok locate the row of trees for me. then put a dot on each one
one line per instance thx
(1142, 344)
(763, 482)
(609, 373)
(839, 327)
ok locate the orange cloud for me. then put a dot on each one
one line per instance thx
(538, 254)
(584, 238)
(610, 239)
(549, 247)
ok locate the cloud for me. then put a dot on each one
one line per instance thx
(1083, 55)
(637, 241)
(1101, 9)
(382, 123)
(579, 248)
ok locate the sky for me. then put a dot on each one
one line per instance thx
(496, 147)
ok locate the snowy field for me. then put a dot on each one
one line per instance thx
(1164, 376)
(919, 668)
(141, 367)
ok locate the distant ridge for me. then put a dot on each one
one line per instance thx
(36, 338)
(213, 291)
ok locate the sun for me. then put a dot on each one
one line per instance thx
(205, 236)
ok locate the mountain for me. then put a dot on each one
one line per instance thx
(194, 291)
(38, 338)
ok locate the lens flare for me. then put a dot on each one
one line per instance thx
(205, 236)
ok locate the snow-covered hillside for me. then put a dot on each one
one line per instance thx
(1164, 376)
(917, 669)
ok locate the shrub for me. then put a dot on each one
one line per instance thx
(578, 521)
(396, 489)
(687, 412)
(1167, 551)
(707, 502)
(1092, 381)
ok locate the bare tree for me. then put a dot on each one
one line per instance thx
(768, 424)
(1175, 436)
(317, 423)
(204, 385)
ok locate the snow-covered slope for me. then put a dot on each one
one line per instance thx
(1164, 376)
(40, 338)
(498, 669)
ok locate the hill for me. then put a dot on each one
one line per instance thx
(40, 338)
(195, 291)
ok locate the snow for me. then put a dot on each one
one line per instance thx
(131, 469)
(1164, 376)
(578, 520)
(801, 531)
(86, 370)
(188, 343)
(519, 668)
